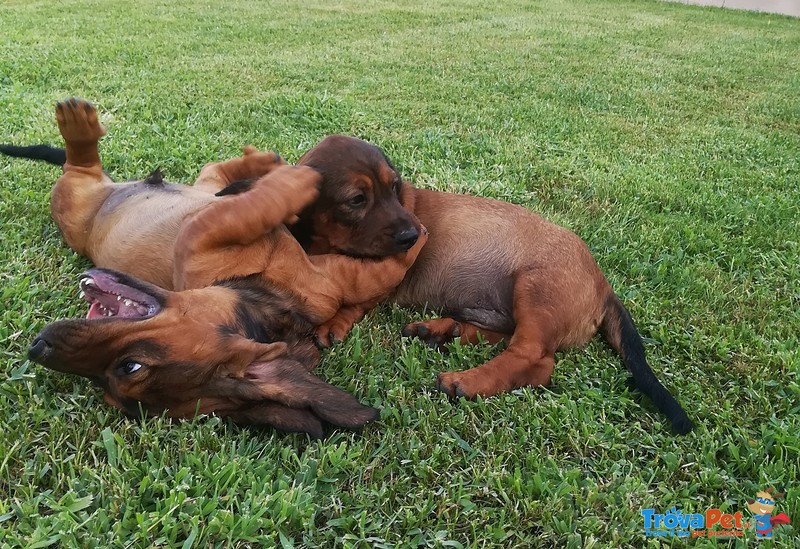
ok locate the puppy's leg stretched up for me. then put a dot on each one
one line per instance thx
(251, 165)
(83, 187)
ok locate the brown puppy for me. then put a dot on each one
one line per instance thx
(183, 237)
(493, 268)
(237, 349)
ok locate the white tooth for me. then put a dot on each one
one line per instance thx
(82, 294)
(119, 298)
(128, 302)
(89, 282)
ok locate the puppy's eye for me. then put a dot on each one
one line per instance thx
(129, 367)
(358, 200)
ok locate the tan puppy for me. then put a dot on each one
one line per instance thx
(181, 237)
(492, 268)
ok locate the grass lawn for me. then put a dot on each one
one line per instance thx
(667, 136)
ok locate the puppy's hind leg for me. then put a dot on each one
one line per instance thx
(250, 166)
(439, 331)
(83, 186)
(527, 361)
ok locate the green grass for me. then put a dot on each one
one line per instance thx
(667, 136)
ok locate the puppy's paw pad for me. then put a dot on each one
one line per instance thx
(77, 120)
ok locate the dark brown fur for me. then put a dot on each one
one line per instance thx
(493, 268)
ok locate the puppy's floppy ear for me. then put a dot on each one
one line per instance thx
(249, 352)
(290, 384)
(292, 420)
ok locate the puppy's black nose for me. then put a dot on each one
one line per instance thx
(39, 350)
(406, 238)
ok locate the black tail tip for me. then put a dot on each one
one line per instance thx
(682, 425)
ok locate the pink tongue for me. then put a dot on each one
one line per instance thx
(94, 311)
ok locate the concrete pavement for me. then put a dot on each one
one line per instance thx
(785, 7)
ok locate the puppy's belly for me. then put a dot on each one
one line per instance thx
(477, 289)
(136, 228)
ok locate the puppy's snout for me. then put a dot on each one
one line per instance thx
(39, 349)
(406, 238)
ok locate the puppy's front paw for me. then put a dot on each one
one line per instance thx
(300, 186)
(289, 189)
(329, 334)
(77, 121)
(413, 252)
(259, 163)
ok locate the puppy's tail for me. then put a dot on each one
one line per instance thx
(620, 332)
(51, 155)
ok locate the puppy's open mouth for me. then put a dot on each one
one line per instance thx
(109, 297)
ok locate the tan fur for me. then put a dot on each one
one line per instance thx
(181, 237)
(557, 289)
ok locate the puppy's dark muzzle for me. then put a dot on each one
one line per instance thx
(406, 238)
(39, 350)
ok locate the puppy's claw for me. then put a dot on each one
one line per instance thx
(458, 385)
(441, 386)
(326, 339)
(321, 342)
(434, 333)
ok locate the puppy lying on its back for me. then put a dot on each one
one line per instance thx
(180, 236)
(493, 268)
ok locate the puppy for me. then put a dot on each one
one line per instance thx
(180, 237)
(239, 349)
(496, 271)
